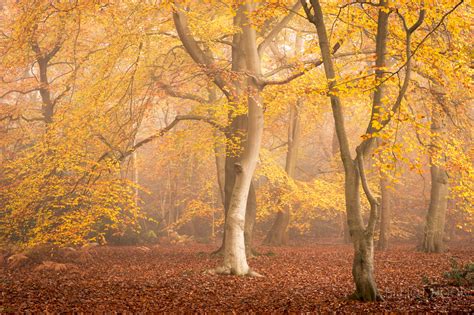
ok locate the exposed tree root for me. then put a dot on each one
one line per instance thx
(225, 271)
(218, 252)
(357, 297)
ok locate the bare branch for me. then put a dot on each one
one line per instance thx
(19, 91)
(296, 75)
(197, 54)
(277, 29)
(177, 119)
(174, 93)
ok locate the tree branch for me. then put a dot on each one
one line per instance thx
(174, 93)
(177, 119)
(314, 64)
(197, 54)
(374, 204)
(277, 29)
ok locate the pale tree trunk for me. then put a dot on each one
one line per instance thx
(245, 85)
(436, 216)
(250, 216)
(385, 214)
(278, 234)
(238, 129)
(235, 259)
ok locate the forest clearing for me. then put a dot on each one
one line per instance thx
(236, 155)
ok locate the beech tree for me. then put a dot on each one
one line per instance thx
(355, 173)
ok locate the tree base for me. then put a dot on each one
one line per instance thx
(220, 253)
(357, 297)
(225, 271)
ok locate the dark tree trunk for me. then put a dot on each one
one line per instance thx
(385, 215)
(436, 216)
(362, 239)
(278, 234)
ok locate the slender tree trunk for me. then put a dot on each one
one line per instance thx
(346, 236)
(385, 215)
(436, 216)
(362, 237)
(219, 151)
(278, 234)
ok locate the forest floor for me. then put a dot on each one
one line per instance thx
(172, 278)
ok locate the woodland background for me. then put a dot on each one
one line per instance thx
(139, 122)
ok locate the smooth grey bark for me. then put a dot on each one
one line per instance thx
(234, 253)
(239, 88)
(237, 129)
(354, 170)
(244, 86)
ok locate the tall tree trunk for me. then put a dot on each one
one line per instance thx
(363, 262)
(238, 129)
(219, 150)
(436, 216)
(346, 235)
(385, 214)
(278, 234)
(234, 253)
(362, 237)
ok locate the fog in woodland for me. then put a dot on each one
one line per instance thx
(236, 156)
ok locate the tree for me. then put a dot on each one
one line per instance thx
(278, 234)
(362, 236)
(242, 86)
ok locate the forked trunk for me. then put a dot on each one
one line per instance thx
(363, 263)
(235, 260)
(238, 129)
